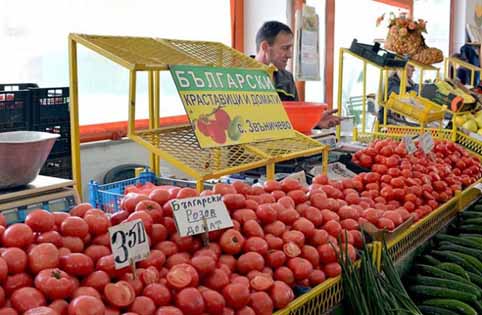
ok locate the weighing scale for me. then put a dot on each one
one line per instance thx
(45, 192)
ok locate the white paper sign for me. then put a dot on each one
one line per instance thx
(338, 171)
(426, 142)
(200, 214)
(409, 144)
(300, 177)
(478, 186)
(129, 243)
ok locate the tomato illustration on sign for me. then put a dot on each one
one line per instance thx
(216, 125)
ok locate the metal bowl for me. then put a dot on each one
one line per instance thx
(22, 155)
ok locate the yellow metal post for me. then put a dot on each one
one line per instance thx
(132, 103)
(199, 185)
(340, 91)
(446, 68)
(364, 98)
(74, 117)
(270, 170)
(385, 110)
(420, 83)
(472, 77)
(157, 86)
(355, 134)
(326, 152)
(152, 118)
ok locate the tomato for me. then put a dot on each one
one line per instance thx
(316, 277)
(214, 301)
(160, 196)
(266, 213)
(98, 280)
(119, 294)
(26, 298)
(118, 217)
(277, 228)
(17, 281)
(80, 209)
(319, 237)
(16, 259)
(74, 244)
(52, 237)
(158, 293)
(86, 291)
(380, 169)
(271, 185)
(43, 256)
(231, 242)
(204, 264)
(386, 223)
(190, 301)
(60, 306)
(252, 228)
(274, 242)
(149, 275)
(289, 184)
(333, 228)
(284, 274)
(236, 295)
(332, 269)
(327, 254)
(146, 219)
(281, 294)
(250, 261)
(291, 249)
(305, 226)
(256, 244)
(310, 253)
(77, 264)
(169, 310)
(60, 217)
(301, 267)
(294, 236)
(217, 280)
(169, 248)
(179, 277)
(8, 311)
(41, 310)
(394, 216)
(143, 305)
(40, 220)
(234, 201)
(17, 235)
(176, 259)
(74, 226)
(98, 225)
(3, 270)
(83, 305)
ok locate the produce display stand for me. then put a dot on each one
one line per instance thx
(455, 62)
(422, 68)
(178, 146)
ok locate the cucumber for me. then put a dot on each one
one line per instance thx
(477, 306)
(454, 268)
(472, 260)
(459, 241)
(449, 256)
(461, 249)
(452, 304)
(430, 260)
(477, 207)
(471, 228)
(449, 284)
(439, 273)
(437, 292)
(471, 214)
(476, 221)
(475, 279)
(435, 310)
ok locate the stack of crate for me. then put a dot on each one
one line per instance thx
(28, 107)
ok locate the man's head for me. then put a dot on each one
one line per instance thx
(274, 44)
(410, 71)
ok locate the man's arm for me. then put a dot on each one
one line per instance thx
(328, 120)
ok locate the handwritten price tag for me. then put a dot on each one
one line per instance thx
(200, 214)
(409, 144)
(129, 243)
(426, 142)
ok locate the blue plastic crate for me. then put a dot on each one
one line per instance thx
(108, 196)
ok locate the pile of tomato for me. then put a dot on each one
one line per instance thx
(401, 184)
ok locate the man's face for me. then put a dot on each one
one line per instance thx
(281, 51)
(410, 71)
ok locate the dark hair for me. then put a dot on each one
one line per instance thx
(269, 30)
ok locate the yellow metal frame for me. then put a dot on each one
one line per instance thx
(178, 146)
(455, 62)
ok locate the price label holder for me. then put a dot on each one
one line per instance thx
(478, 186)
(409, 145)
(129, 244)
(199, 215)
(426, 142)
(300, 177)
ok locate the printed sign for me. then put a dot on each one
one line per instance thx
(300, 177)
(409, 145)
(129, 243)
(426, 142)
(200, 214)
(229, 106)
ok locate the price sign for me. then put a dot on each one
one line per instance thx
(200, 214)
(409, 144)
(478, 186)
(426, 142)
(300, 177)
(129, 243)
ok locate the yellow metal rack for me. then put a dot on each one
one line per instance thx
(455, 62)
(178, 145)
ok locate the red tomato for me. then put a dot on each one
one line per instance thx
(276, 228)
(159, 294)
(190, 301)
(294, 236)
(252, 228)
(146, 219)
(266, 213)
(74, 244)
(74, 226)
(176, 259)
(40, 220)
(160, 196)
(234, 201)
(169, 248)
(41, 310)
(60, 306)
(274, 242)
(3, 270)
(52, 237)
(98, 225)
(305, 226)
(256, 244)
(118, 217)
(43, 256)
(86, 305)
(214, 301)
(26, 298)
(329, 215)
(333, 228)
(120, 294)
(16, 259)
(149, 275)
(291, 249)
(319, 237)
(169, 310)
(327, 254)
(301, 267)
(250, 261)
(236, 295)
(80, 209)
(332, 269)
(261, 303)
(229, 261)
(284, 274)
(385, 223)
(179, 277)
(204, 264)
(17, 281)
(217, 280)
(98, 280)
(17, 235)
(81, 291)
(281, 294)
(311, 254)
(143, 305)
(77, 264)
(231, 242)
(394, 216)
(8, 311)
(316, 277)
(222, 189)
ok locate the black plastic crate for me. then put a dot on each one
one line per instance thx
(58, 166)
(17, 86)
(15, 110)
(50, 105)
(62, 144)
(377, 55)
